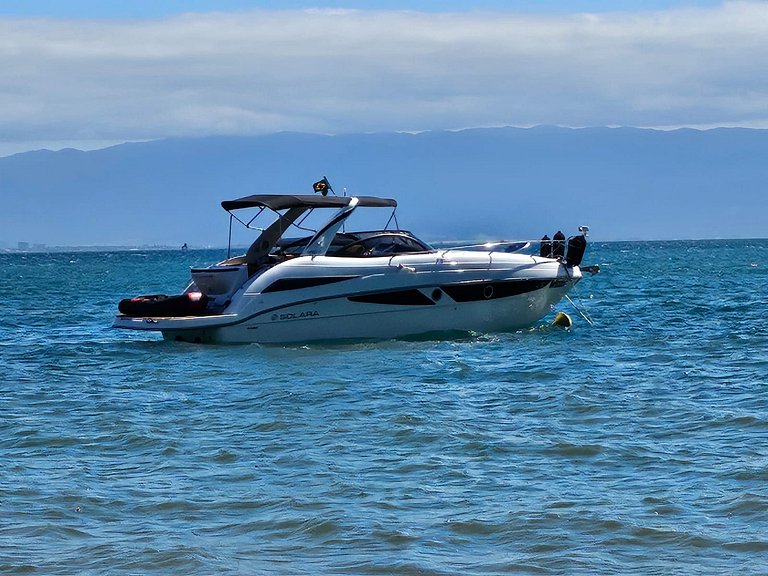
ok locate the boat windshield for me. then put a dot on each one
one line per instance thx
(361, 244)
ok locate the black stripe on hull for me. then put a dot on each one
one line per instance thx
(399, 298)
(283, 284)
(475, 291)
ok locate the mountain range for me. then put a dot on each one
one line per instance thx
(512, 183)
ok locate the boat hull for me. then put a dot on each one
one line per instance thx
(339, 319)
(325, 299)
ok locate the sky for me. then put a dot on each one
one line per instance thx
(88, 74)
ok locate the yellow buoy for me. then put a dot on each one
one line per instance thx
(562, 320)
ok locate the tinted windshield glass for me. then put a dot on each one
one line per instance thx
(382, 244)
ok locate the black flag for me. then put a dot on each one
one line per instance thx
(322, 186)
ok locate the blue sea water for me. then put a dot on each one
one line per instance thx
(636, 445)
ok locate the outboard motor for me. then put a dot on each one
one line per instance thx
(558, 245)
(546, 247)
(577, 245)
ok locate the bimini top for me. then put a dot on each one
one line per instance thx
(281, 202)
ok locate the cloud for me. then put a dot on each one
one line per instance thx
(338, 71)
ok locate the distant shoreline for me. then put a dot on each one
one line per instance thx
(152, 248)
(437, 244)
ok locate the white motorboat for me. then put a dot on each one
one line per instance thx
(333, 284)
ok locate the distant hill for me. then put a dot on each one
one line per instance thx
(509, 183)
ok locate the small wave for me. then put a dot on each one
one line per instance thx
(475, 527)
(568, 450)
(650, 537)
(748, 546)
(750, 505)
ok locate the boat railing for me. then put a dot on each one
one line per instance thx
(495, 246)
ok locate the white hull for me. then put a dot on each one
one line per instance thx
(380, 298)
(334, 320)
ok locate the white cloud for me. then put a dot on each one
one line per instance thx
(340, 71)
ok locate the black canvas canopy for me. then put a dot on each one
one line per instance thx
(281, 202)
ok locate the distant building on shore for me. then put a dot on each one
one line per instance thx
(27, 247)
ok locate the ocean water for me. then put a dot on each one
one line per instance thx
(635, 445)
